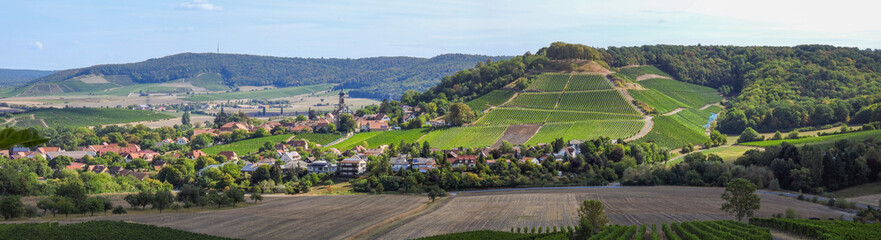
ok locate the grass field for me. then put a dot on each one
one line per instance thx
(727, 153)
(634, 72)
(210, 81)
(260, 94)
(376, 139)
(317, 138)
(472, 137)
(827, 139)
(246, 146)
(694, 96)
(860, 190)
(536, 100)
(83, 117)
(586, 130)
(601, 101)
(494, 98)
(670, 132)
(583, 82)
(657, 100)
(549, 82)
(95, 230)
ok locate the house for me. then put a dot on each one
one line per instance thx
(530, 159)
(321, 166)
(230, 155)
(409, 117)
(113, 171)
(147, 155)
(374, 125)
(399, 163)
(289, 156)
(352, 166)
(163, 142)
(251, 167)
(301, 128)
(375, 151)
(232, 126)
(76, 166)
(463, 160)
(382, 117)
(182, 141)
(97, 168)
(196, 154)
(299, 144)
(4, 153)
(76, 155)
(16, 150)
(288, 166)
(212, 132)
(423, 164)
(569, 152)
(101, 149)
(437, 123)
(45, 150)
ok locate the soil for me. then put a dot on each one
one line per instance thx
(650, 76)
(518, 134)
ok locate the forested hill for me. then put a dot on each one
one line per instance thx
(17, 76)
(374, 77)
(769, 87)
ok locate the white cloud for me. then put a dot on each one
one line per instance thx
(36, 45)
(199, 5)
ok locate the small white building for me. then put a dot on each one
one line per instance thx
(321, 166)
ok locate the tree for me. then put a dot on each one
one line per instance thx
(256, 197)
(717, 138)
(185, 119)
(46, 204)
(591, 218)
(749, 135)
(11, 207)
(93, 205)
(107, 204)
(740, 198)
(60, 162)
(435, 192)
(347, 123)
(459, 114)
(777, 136)
(163, 200)
(792, 135)
(64, 205)
(234, 195)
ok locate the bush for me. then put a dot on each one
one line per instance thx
(119, 210)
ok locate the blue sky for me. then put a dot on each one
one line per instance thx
(51, 35)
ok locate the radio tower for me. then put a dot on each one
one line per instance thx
(218, 47)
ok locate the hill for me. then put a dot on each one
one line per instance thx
(19, 76)
(375, 77)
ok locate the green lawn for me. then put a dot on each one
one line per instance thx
(260, 94)
(494, 98)
(95, 230)
(246, 146)
(828, 139)
(727, 153)
(83, 117)
(210, 81)
(376, 139)
(472, 137)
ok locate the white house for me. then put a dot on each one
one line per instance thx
(288, 156)
(353, 166)
(182, 141)
(321, 166)
(399, 163)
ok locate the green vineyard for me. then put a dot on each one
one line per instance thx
(694, 96)
(634, 72)
(583, 82)
(536, 100)
(549, 82)
(376, 139)
(601, 101)
(471, 137)
(670, 132)
(510, 116)
(657, 100)
(822, 229)
(722, 230)
(586, 130)
(571, 116)
(494, 98)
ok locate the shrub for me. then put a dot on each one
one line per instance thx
(119, 210)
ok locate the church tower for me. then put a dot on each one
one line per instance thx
(341, 107)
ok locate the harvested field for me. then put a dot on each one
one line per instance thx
(627, 205)
(650, 76)
(518, 134)
(286, 217)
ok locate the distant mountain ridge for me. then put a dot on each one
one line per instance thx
(20, 76)
(374, 77)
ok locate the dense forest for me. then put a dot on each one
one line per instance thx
(376, 77)
(16, 76)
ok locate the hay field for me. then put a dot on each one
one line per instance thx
(627, 205)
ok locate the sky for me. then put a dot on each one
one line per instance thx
(55, 35)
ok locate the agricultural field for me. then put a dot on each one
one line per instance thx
(494, 98)
(247, 146)
(586, 130)
(694, 96)
(727, 153)
(84, 117)
(96, 230)
(657, 100)
(549, 82)
(317, 138)
(634, 72)
(376, 139)
(209, 81)
(472, 137)
(514, 208)
(827, 139)
(286, 217)
(584, 82)
(518, 134)
(670, 132)
(511, 116)
(572, 116)
(260, 94)
(601, 101)
(536, 100)
(696, 120)
(822, 229)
